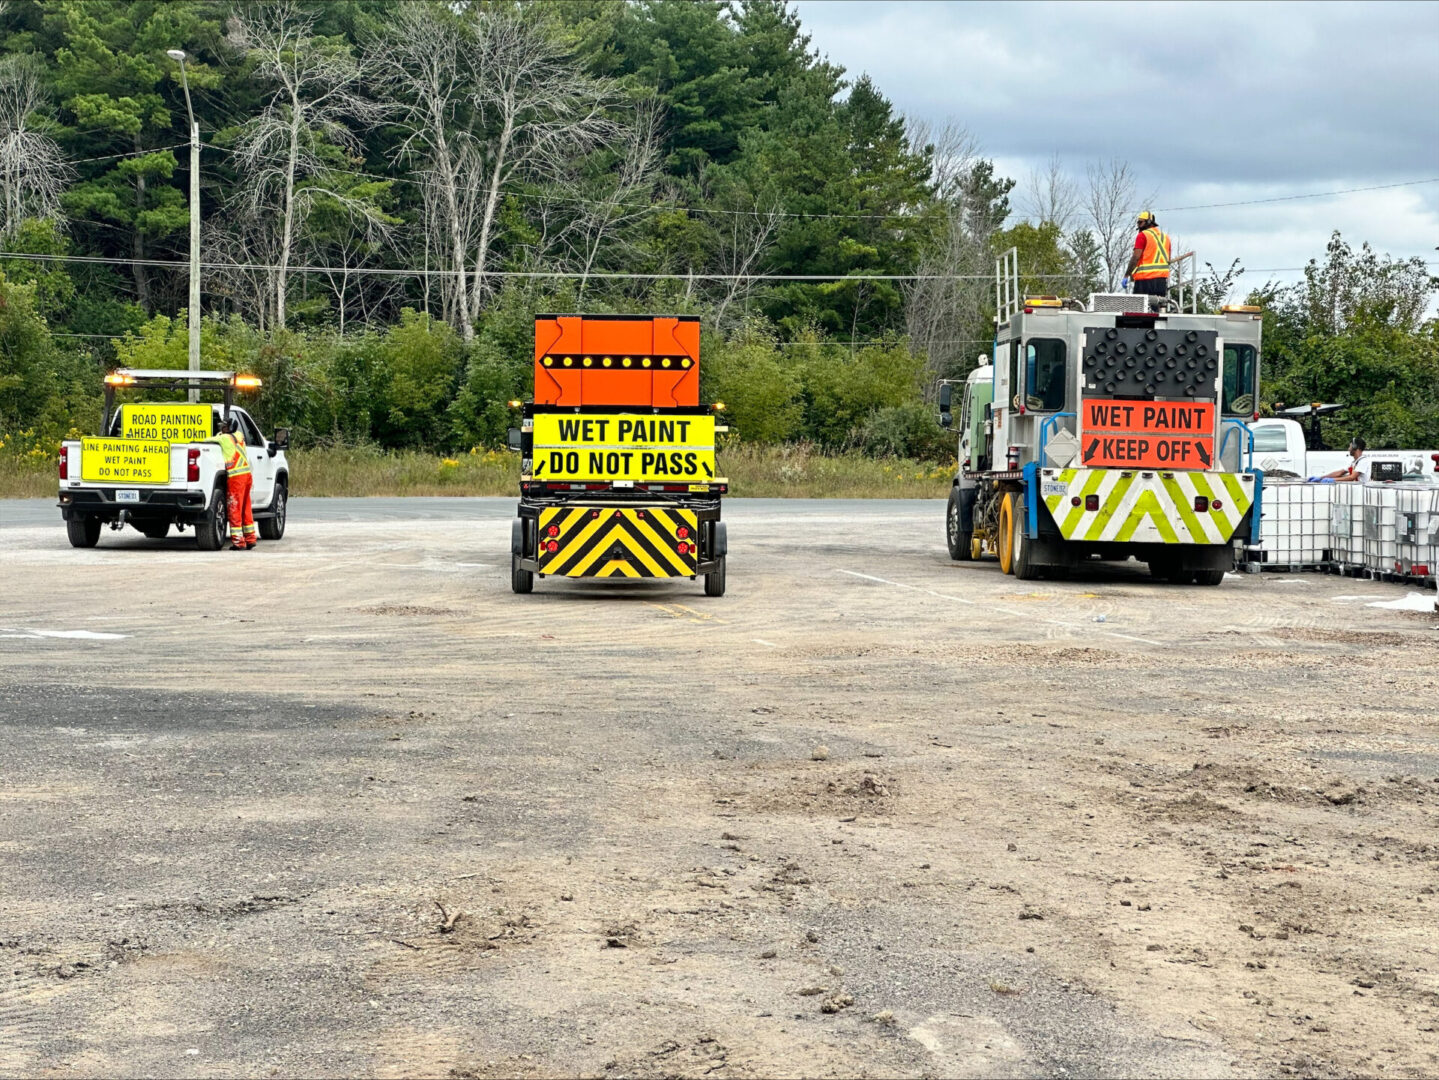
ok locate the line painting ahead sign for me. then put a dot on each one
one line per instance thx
(1147, 434)
(618, 446)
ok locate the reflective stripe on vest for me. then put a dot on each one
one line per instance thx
(1154, 263)
(237, 463)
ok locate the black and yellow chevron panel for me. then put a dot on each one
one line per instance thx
(608, 541)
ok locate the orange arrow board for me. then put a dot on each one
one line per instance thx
(1147, 434)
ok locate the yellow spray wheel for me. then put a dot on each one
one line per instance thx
(976, 548)
(1006, 533)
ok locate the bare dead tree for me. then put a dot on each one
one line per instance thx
(953, 150)
(282, 151)
(33, 171)
(539, 111)
(241, 253)
(1051, 197)
(425, 63)
(1111, 202)
(745, 238)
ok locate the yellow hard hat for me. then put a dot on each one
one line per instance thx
(1146, 215)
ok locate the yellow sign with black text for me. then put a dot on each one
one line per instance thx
(124, 461)
(166, 423)
(623, 446)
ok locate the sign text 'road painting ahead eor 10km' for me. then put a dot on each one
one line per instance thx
(166, 423)
(124, 461)
(1147, 434)
(620, 446)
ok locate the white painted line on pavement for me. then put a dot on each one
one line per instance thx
(762, 641)
(1006, 611)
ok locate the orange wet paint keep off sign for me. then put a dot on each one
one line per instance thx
(1147, 434)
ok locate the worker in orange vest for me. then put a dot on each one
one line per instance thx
(243, 535)
(1149, 265)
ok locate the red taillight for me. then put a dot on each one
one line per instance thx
(1075, 500)
(682, 548)
(1201, 503)
(553, 530)
(552, 547)
(594, 513)
(1436, 461)
(1091, 502)
(192, 465)
(683, 532)
(1217, 504)
(64, 463)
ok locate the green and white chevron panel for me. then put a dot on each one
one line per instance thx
(1147, 507)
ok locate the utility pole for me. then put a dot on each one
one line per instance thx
(194, 306)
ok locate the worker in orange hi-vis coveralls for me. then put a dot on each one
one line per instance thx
(237, 464)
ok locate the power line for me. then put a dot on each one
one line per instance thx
(126, 154)
(1292, 198)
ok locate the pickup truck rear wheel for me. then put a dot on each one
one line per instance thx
(272, 528)
(83, 532)
(210, 534)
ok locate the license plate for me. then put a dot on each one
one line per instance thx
(1054, 487)
(127, 496)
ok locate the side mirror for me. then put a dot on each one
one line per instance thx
(946, 397)
(512, 438)
(282, 440)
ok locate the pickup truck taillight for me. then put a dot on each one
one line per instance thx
(1436, 461)
(192, 465)
(65, 463)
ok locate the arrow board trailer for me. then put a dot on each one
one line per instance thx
(617, 472)
(1099, 432)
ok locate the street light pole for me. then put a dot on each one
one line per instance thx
(194, 308)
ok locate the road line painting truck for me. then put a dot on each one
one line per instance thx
(1110, 429)
(151, 468)
(617, 455)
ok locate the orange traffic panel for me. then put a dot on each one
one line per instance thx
(645, 360)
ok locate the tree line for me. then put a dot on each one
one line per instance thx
(389, 190)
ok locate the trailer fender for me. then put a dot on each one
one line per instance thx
(719, 540)
(967, 497)
(517, 537)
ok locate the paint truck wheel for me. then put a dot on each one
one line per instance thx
(83, 532)
(961, 543)
(1021, 548)
(210, 534)
(1006, 533)
(521, 581)
(714, 581)
(1208, 577)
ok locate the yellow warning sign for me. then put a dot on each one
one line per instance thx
(620, 446)
(166, 423)
(124, 461)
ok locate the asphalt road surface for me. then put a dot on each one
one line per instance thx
(345, 804)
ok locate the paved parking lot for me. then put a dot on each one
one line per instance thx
(346, 805)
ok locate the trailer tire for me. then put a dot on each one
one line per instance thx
(714, 580)
(1022, 549)
(960, 542)
(210, 533)
(1005, 540)
(521, 581)
(84, 532)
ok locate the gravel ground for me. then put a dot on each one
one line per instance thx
(346, 805)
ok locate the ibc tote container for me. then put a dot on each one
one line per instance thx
(1380, 533)
(1346, 524)
(1294, 523)
(1417, 531)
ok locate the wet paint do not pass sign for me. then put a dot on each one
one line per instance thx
(1147, 434)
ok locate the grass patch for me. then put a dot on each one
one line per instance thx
(797, 471)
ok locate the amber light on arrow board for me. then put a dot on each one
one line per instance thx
(246, 382)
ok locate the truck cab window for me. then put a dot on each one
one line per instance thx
(1269, 438)
(1241, 367)
(1014, 386)
(1045, 375)
(249, 431)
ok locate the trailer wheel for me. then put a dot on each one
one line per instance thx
(1021, 549)
(960, 542)
(84, 532)
(1005, 540)
(210, 534)
(714, 581)
(521, 581)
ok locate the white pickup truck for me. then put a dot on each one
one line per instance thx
(150, 467)
(1280, 449)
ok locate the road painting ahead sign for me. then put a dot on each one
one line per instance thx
(124, 461)
(1147, 434)
(621, 446)
(166, 423)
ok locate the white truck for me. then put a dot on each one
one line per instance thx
(1281, 449)
(150, 467)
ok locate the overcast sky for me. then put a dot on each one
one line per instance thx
(1211, 103)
